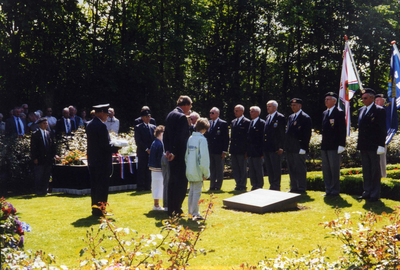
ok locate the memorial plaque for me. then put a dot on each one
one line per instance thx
(262, 201)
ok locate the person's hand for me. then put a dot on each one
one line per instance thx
(148, 151)
(279, 152)
(171, 157)
(35, 161)
(380, 150)
(340, 149)
(302, 151)
(223, 155)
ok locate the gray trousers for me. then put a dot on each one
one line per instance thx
(256, 172)
(274, 169)
(165, 172)
(371, 174)
(331, 170)
(297, 172)
(216, 170)
(383, 163)
(239, 168)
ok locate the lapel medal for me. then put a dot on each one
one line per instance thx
(332, 121)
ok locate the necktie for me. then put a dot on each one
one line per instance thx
(269, 119)
(44, 138)
(68, 126)
(19, 126)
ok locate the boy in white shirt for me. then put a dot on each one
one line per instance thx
(197, 165)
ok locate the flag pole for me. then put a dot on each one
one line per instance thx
(354, 66)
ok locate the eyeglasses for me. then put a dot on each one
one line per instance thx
(211, 112)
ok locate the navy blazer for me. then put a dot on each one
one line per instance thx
(11, 127)
(144, 137)
(218, 137)
(255, 139)
(298, 133)
(176, 133)
(333, 129)
(99, 149)
(43, 153)
(60, 126)
(239, 136)
(274, 133)
(371, 128)
(139, 121)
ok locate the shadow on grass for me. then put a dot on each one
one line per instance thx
(377, 207)
(337, 201)
(136, 193)
(184, 221)
(86, 222)
(305, 198)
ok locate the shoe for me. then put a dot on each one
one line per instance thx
(237, 188)
(158, 208)
(195, 218)
(373, 199)
(362, 197)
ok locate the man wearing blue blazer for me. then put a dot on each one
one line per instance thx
(333, 143)
(237, 149)
(274, 139)
(254, 152)
(144, 136)
(218, 142)
(298, 134)
(99, 153)
(15, 125)
(371, 143)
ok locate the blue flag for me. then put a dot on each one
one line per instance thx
(393, 95)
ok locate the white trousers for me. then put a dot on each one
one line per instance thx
(157, 185)
(194, 197)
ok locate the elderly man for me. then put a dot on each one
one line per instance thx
(64, 124)
(381, 101)
(76, 120)
(274, 138)
(298, 134)
(43, 152)
(255, 135)
(333, 143)
(51, 120)
(15, 125)
(371, 143)
(99, 153)
(112, 122)
(194, 116)
(218, 142)
(33, 118)
(175, 139)
(139, 119)
(239, 128)
(144, 137)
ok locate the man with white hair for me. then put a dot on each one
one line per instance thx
(218, 142)
(112, 122)
(64, 124)
(255, 135)
(274, 139)
(194, 116)
(239, 128)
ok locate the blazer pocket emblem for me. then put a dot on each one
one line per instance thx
(218, 132)
(294, 123)
(332, 121)
(275, 124)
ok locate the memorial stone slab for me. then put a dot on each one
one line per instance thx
(262, 201)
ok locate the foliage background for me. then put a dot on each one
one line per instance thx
(220, 52)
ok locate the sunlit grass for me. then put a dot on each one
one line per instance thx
(59, 222)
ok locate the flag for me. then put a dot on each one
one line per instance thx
(393, 94)
(349, 83)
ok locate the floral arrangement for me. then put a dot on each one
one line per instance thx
(130, 149)
(11, 229)
(73, 158)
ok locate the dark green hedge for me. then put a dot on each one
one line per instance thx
(353, 184)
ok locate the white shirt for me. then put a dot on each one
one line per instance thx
(330, 110)
(239, 119)
(16, 119)
(51, 120)
(112, 124)
(271, 116)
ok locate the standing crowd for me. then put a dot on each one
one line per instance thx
(190, 149)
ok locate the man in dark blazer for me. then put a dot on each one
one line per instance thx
(139, 119)
(175, 139)
(255, 135)
(64, 125)
(15, 125)
(371, 143)
(43, 152)
(237, 149)
(218, 141)
(144, 136)
(333, 143)
(274, 139)
(380, 100)
(99, 153)
(297, 139)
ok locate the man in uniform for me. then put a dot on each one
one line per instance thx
(298, 134)
(99, 153)
(239, 128)
(333, 143)
(274, 138)
(371, 143)
(380, 100)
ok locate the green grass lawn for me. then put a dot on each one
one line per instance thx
(59, 222)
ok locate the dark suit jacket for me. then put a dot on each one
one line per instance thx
(333, 129)
(239, 136)
(11, 127)
(139, 121)
(371, 128)
(144, 138)
(99, 149)
(176, 133)
(76, 122)
(274, 133)
(44, 154)
(255, 139)
(218, 137)
(298, 133)
(60, 126)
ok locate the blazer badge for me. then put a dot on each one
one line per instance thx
(275, 124)
(332, 121)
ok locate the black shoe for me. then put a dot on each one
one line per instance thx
(363, 197)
